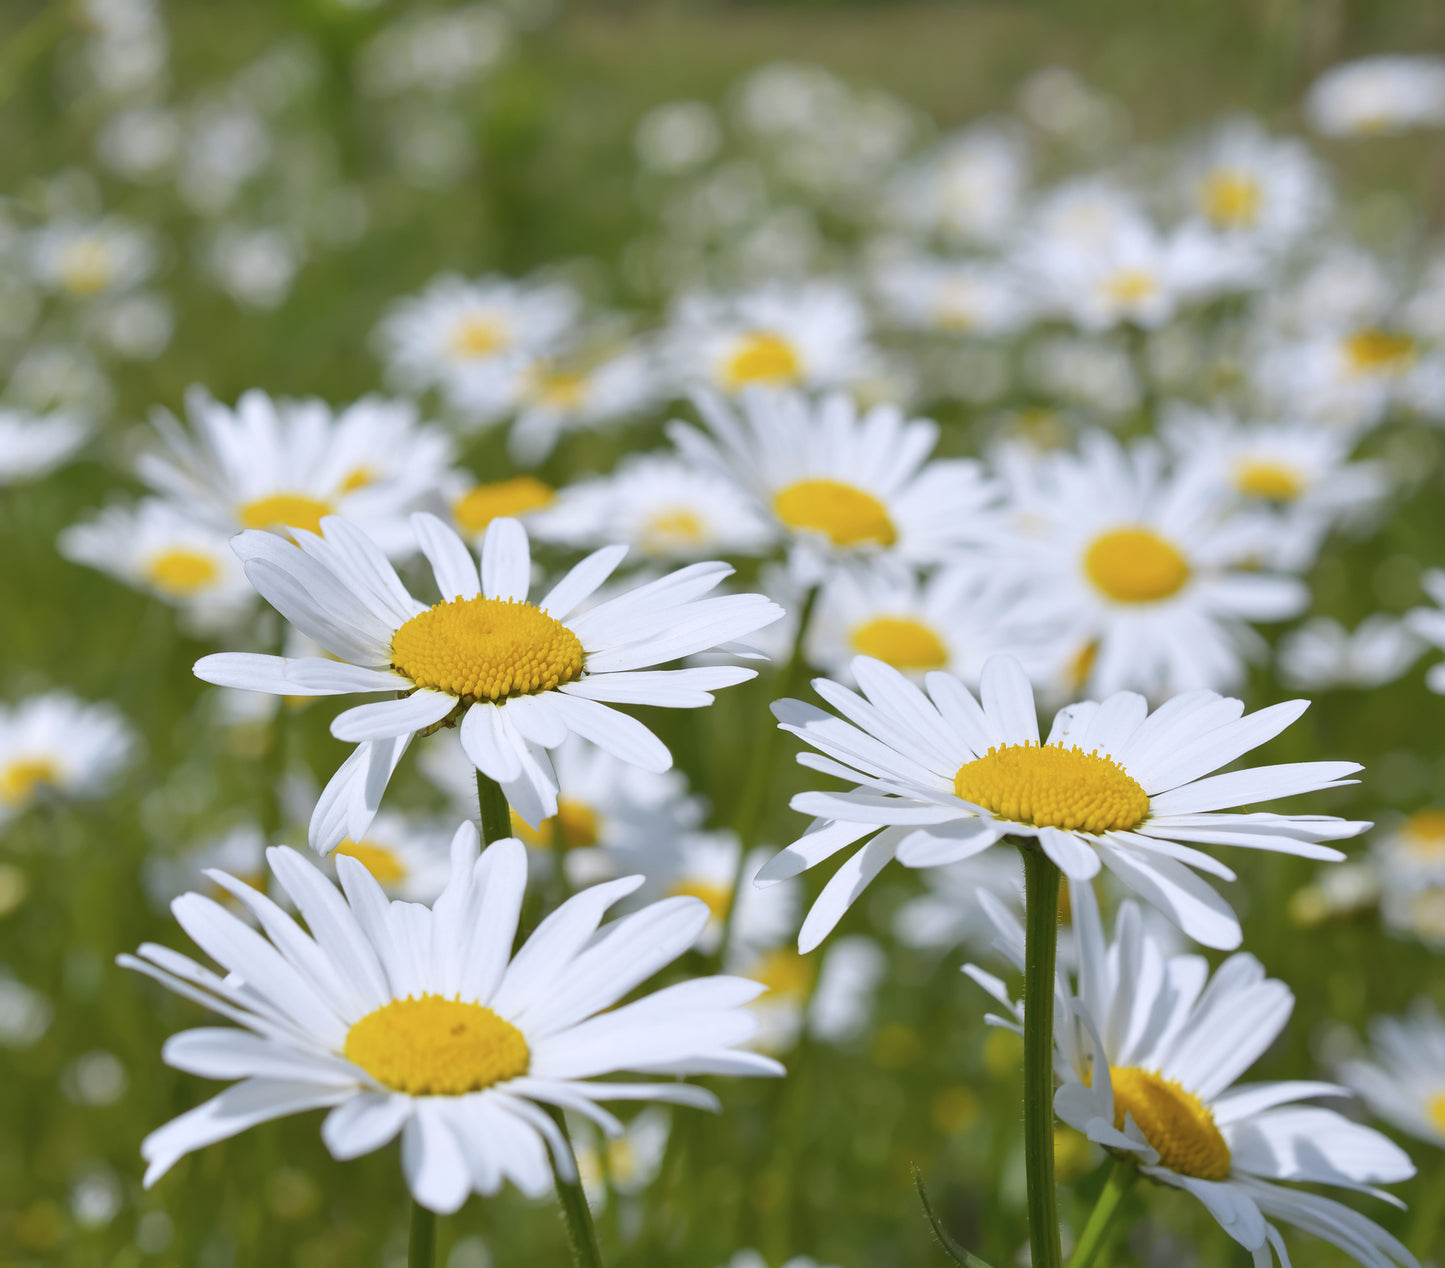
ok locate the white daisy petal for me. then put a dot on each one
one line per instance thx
(506, 561)
(364, 1124)
(388, 719)
(451, 561)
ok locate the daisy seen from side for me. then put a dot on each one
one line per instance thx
(1402, 1079)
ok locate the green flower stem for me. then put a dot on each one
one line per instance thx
(580, 1233)
(496, 813)
(1116, 1189)
(763, 769)
(422, 1250)
(1041, 913)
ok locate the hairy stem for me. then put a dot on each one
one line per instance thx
(1041, 903)
(580, 1233)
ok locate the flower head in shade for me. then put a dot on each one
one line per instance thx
(279, 464)
(517, 676)
(420, 1021)
(56, 745)
(1403, 1078)
(1377, 96)
(1148, 1049)
(942, 776)
(837, 486)
(34, 445)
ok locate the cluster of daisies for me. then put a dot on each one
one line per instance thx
(1159, 404)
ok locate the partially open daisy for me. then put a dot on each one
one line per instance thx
(519, 677)
(1148, 1049)
(943, 776)
(54, 745)
(420, 1021)
(278, 465)
(1403, 1079)
(837, 486)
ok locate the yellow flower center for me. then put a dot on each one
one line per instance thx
(487, 502)
(1130, 286)
(1424, 834)
(86, 267)
(763, 357)
(1231, 199)
(717, 896)
(1081, 664)
(20, 780)
(573, 827)
(1174, 1121)
(285, 510)
(562, 389)
(1272, 481)
(477, 336)
(900, 641)
(1435, 1111)
(846, 515)
(360, 478)
(434, 1046)
(486, 649)
(1375, 351)
(676, 528)
(1051, 786)
(181, 572)
(380, 860)
(784, 972)
(1135, 565)
(1427, 914)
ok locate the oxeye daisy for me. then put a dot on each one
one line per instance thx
(1429, 624)
(1148, 1050)
(1322, 654)
(838, 486)
(419, 1021)
(474, 506)
(56, 745)
(86, 260)
(34, 445)
(1410, 860)
(942, 776)
(1377, 96)
(1145, 568)
(518, 677)
(1403, 1078)
(278, 465)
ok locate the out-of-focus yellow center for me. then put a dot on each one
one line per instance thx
(87, 266)
(900, 641)
(784, 972)
(181, 572)
(477, 335)
(1435, 1112)
(475, 510)
(21, 779)
(1051, 786)
(434, 1046)
(1427, 914)
(1424, 834)
(285, 510)
(360, 478)
(1135, 565)
(1375, 351)
(717, 896)
(1081, 664)
(561, 389)
(1231, 199)
(843, 513)
(675, 528)
(763, 357)
(486, 649)
(1131, 286)
(1271, 481)
(574, 827)
(380, 860)
(1175, 1121)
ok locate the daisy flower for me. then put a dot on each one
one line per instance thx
(1323, 654)
(473, 340)
(838, 486)
(1148, 1050)
(813, 335)
(1377, 96)
(419, 1021)
(517, 677)
(1403, 1081)
(474, 506)
(954, 297)
(84, 260)
(34, 445)
(56, 744)
(970, 188)
(556, 396)
(943, 776)
(662, 508)
(160, 550)
(1410, 860)
(626, 1164)
(281, 465)
(409, 860)
(1429, 624)
(240, 851)
(1144, 567)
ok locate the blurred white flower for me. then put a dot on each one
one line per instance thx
(1429, 624)
(24, 1014)
(1376, 96)
(677, 136)
(1321, 654)
(139, 143)
(85, 260)
(225, 145)
(625, 1163)
(969, 188)
(435, 53)
(1410, 860)
(254, 266)
(53, 745)
(958, 297)
(34, 445)
(1403, 1080)
(137, 327)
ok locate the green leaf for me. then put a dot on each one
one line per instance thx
(951, 1248)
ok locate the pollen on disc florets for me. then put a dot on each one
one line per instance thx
(1051, 786)
(1173, 1120)
(434, 1046)
(487, 649)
